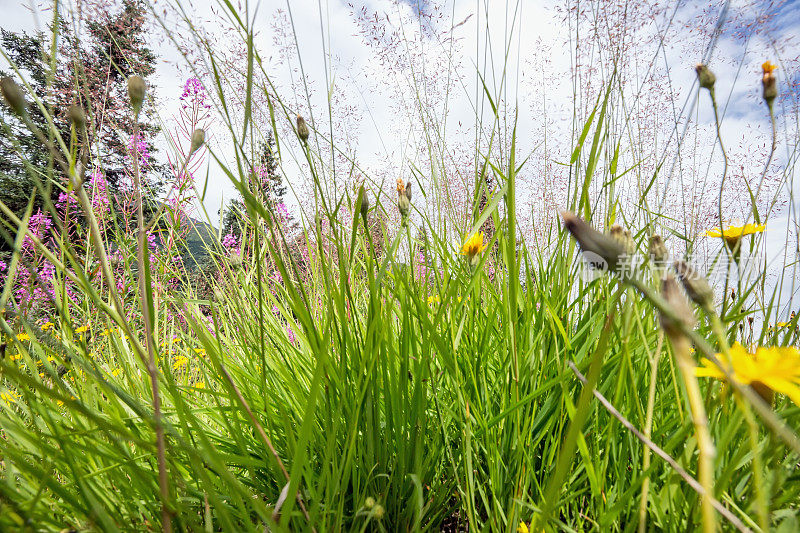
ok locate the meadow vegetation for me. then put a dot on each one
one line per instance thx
(411, 348)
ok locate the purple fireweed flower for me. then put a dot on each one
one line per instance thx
(231, 243)
(194, 94)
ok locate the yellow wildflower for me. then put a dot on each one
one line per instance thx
(775, 369)
(9, 397)
(180, 362)
(200, 351)
(523, 528)
(473, 246)
(769, 83)
(47, 326)
(61, 404)
(23, 337)
(82, 329)
(199, 385)
(733, 234)
(116, 372)
(177, 340)
(108, 331)
(434, 300)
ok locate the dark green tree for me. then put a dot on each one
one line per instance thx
(23, 157)
(267, 185)
(90, 71)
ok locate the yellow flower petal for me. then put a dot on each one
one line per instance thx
(776, 367)
(473, 246)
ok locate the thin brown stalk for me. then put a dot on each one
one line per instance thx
(163, 478)
(265, 438)
(692, 482)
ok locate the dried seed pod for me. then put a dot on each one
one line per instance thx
(13, 95)
(658, 251)
(218, 294)
(364, 202)
(696, 285)
(198, 140)
(77, 117)
(684, 316)
(136, 92)
(592, 241)
(622, 237)
(302, 129)
(705, 77)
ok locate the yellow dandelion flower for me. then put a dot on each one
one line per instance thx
(768, 67)
(47, 326)
(773, 368)
(22, 337)
(9, 397)
(180, 362)
(523, 528)
(473, 246)
(733, 234)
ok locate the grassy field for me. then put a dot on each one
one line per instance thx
(386, 367)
